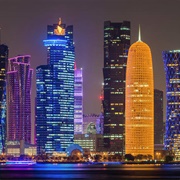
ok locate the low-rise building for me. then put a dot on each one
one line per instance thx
(89, 142)
(17, 148)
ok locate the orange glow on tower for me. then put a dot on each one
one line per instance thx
(139, 110)
(59, 30)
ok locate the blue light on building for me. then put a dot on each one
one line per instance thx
(172, 70)
(55, 92)
(55, 42)
(3, 69)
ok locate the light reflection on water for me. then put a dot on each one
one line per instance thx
(90, 171)
(81, 166)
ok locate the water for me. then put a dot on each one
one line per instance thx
(89, 171)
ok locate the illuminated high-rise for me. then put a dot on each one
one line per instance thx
(3, 70)
(139, 126)
(19, 78)
(78, 101)
(116, 45)
(55, 91)
(172, 132)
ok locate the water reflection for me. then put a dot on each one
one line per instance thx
(90, 171)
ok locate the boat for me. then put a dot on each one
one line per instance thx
(23, 162)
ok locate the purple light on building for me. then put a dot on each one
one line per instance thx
(78, 101)
(19, 78)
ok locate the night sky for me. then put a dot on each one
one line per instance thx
(24, 27)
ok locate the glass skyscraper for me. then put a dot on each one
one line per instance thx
(116, 45)
(55, 91)
(139, 126)
(3, 69)
(172, 70)
(78, 101)
(19, 78)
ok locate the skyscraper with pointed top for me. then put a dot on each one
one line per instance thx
(139, 109)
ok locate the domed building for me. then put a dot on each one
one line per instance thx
(74, 149)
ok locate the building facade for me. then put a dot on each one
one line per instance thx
(17, 148)
(89, 142)
(92, 124)
(172, 132)
(19, 79)
(55, 91)
(158, 117)
(116, 45)
(78, 101)
(3, 69)
(139, 114)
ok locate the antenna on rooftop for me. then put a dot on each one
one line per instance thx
(139, 38)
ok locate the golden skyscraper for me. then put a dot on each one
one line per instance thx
(139, 110)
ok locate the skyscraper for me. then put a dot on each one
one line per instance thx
(78, 101)
(116, 45)
(139, 114)
(158, 117)
(3, 69)
(172, 70)
(19, 78)
(55, 91)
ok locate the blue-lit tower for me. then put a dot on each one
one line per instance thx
(55, 91)
(172, 70)
(3, 69)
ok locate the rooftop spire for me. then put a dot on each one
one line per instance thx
(60, 21)
(139, 38)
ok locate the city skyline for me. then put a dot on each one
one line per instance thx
(88, 18)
